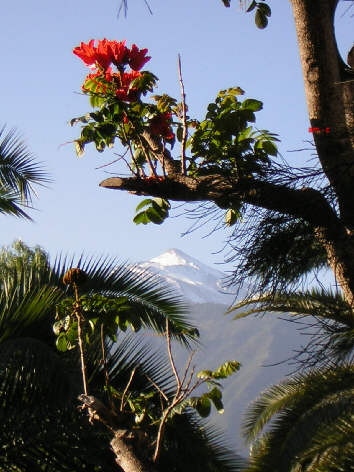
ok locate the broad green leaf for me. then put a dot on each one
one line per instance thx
(260, 19)
(252, 6)
(79, 148)
(179, 133)
(265, 9)
(232, 216)
(203, 406)
(204, 374)
(226, 369)
(144, 203)
(155, 216)
(252, 104)
(162, 203)
(62, 342)
(270, 148)
(141, 218)
(215, 396)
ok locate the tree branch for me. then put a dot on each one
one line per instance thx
(306, 203)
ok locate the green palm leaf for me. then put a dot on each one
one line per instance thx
(18, 173)
(333, 317)
(298, 410)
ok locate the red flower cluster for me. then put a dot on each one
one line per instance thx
(111, 52)
(123, 91)
(120, 84)
(161, 125)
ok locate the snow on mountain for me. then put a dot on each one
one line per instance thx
(197, 282)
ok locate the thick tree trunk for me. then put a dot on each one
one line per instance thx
(330, 98)
(125, 454)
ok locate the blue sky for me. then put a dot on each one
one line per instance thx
(40, 86)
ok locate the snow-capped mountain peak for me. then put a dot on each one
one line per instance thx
(197, 282)
(174, 257)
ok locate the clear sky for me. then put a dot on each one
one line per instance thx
(40, 85)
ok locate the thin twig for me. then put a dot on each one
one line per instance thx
(168, 338)
(137, 174)
(184, 119)
(157, 387)
(115, 160)
(106, 375)
(147, 157)
(79, 334)
(126, 389)
(187, 367)
(189, 380)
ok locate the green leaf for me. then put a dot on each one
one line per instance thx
(252, 104)
(62, 342)
(79, 148)
(226, 369)
(204, 374)
(96, 100)
(232, 216)
(270, 148)
(260, 19)
(252, 6)
(141, 218)
(162, 203)
(154, 215)
(215, 396)
(179, 133)
(203, 406)
(265, 9)
(144, 203)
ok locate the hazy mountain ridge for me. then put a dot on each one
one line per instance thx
(254, 342)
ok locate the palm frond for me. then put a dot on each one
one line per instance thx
(192, 445)
(289, 393)
(331, 322)
(334, 446)
(149, 297)
(32, 375)
(11, 202)
(298, 410)
(18, 168)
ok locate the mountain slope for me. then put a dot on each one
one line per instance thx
(255, 342)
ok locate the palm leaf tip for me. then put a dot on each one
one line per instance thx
(19, 170)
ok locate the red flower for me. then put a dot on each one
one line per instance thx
(86, 52)
(137, 57)
(161, 125)
(107, 52)
(91, 55)
(104, 53)
(120, 53)
(124, 80)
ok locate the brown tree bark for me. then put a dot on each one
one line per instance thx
(123, 442)
(330, 97)
(126, 457)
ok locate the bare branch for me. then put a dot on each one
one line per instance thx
(184, 120)
(126, 388)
